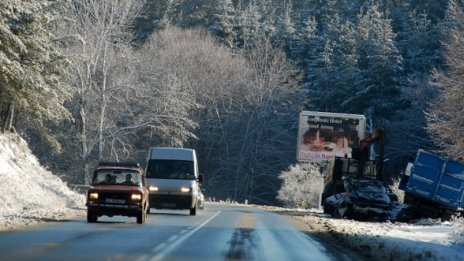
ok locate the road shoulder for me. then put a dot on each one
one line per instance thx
(371, 241)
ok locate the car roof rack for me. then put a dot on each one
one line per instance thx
(131, 164)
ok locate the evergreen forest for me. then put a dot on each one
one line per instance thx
(90, 80)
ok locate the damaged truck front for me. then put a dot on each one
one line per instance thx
(346, 195)
(353, 185)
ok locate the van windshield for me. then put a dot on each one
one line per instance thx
(170, 169)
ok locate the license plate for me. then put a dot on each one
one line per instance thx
(112, 200)
(168, 205)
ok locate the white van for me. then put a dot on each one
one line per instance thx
(173, 179)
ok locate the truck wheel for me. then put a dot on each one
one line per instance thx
(141, 217)
(91, 217)
(193, 211)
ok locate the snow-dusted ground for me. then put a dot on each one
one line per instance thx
(30, 194)
(424, 239)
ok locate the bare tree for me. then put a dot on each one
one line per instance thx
(248, 106)
(268, 118)
(97, 30)
(244, 107)
(215, 80)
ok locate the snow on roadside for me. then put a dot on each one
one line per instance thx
(424, 240)
(458, 231)
(29, 193)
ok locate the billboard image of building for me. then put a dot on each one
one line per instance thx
(323, 135)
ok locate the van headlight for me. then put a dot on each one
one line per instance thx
(136, 197)
(153, 188)
(185, 190)
(93, 195)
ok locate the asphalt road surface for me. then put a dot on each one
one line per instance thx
(219, 232)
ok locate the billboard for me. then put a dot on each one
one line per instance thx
(324, 135)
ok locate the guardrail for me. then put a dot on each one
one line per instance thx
(79, 188)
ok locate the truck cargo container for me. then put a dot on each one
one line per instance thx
(434, 185)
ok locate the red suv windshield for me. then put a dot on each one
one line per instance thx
(116, 177)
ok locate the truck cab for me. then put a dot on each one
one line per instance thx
(173, 179)
(340, 167)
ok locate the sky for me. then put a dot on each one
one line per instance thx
(31, 195)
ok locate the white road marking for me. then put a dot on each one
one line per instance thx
(159, 247)
(172, 238)
(164, 251)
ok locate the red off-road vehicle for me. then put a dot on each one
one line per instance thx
(118, 188)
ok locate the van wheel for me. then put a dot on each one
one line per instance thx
(193, 211)
(91, 217)
(141, 217)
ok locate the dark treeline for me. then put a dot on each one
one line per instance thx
(370, 57)
(228, 78)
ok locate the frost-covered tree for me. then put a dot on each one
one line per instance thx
(235, 99)
(333, 65)
(97, 33)
(285, 29)
(446, 115)
(356, 67)
(168, 85)
(305, 39)
(418, 42)
(30, 66)
(224, 22)
(266, 132)
(377, 94)
(302, 186)
(254, 22)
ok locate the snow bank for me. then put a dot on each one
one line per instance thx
(423, 240)
(29, 193)
(458, 231)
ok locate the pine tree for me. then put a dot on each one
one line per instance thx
(331, 70)
(418, 41)
(377, 94)
(304, 41)
(446, 117)
(224, 23)
(285, 33)
(30, 66)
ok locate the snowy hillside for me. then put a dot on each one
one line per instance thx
(29, 193)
